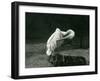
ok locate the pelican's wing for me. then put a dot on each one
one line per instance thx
(52, 42)
(50, 45)
(51, 37)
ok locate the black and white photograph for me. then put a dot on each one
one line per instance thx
(51, 40)
(56, 40)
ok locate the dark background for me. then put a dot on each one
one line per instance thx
(40, 26)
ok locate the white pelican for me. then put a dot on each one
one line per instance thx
(58, 36)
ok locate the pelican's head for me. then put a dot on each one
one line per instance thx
(69, 34)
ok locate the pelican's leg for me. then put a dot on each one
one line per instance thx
(50, 58)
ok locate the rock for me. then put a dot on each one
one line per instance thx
(66, 60)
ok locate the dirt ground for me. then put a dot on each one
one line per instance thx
(35, 56)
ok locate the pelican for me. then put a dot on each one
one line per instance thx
(57, 39)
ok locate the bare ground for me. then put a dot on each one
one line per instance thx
(36, 57)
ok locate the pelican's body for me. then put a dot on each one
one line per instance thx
(58, 35)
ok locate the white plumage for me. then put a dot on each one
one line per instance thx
(58, 35)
